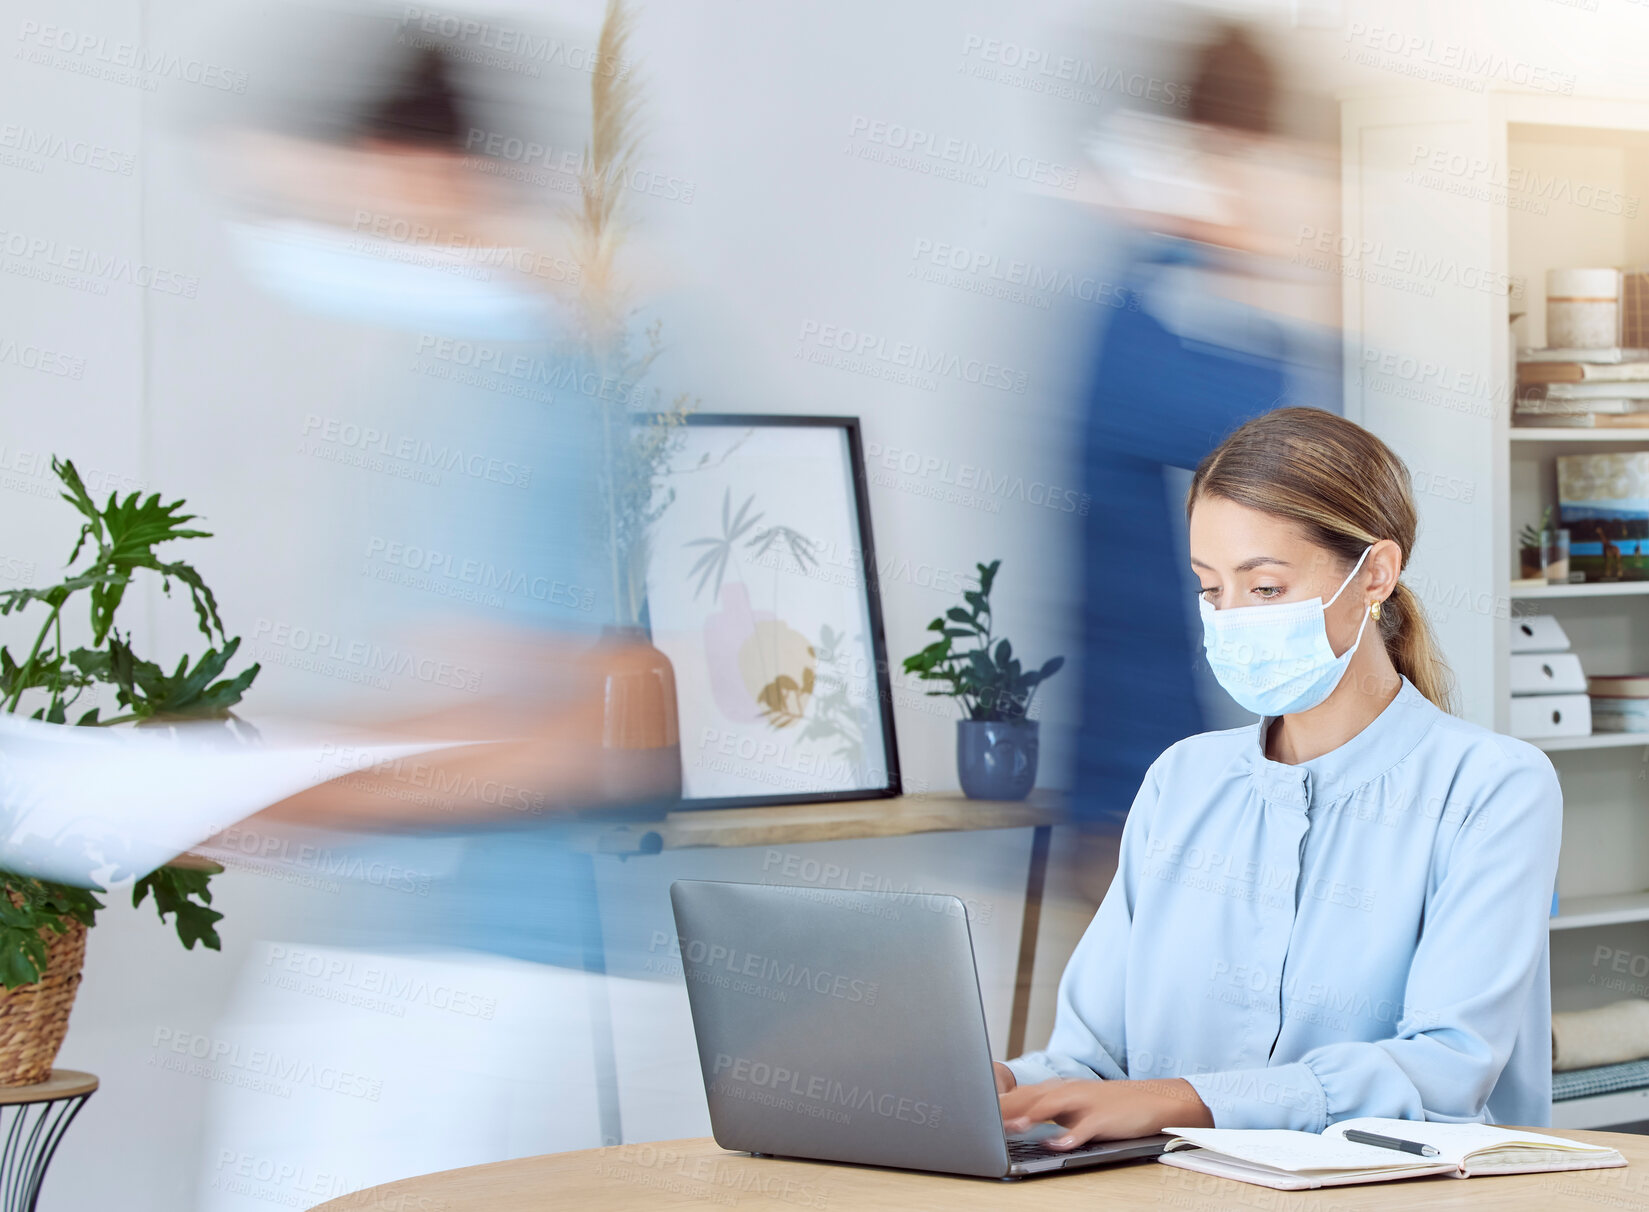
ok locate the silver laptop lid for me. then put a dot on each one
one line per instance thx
(843, 1026)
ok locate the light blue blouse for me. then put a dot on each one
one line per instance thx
(1364, 933)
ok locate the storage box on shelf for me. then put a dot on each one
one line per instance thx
(1547, 684)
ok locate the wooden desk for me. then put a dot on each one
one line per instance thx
(696, 1174)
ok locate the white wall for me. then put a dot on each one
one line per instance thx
(202, 396)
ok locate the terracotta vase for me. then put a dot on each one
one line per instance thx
(640, 738)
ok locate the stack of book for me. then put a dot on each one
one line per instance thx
(1620, 703)
(1583, 388)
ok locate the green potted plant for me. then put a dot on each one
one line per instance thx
(1528, 547)
(996, 741)
(42, 923)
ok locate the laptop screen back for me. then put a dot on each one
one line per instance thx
(844, 1026)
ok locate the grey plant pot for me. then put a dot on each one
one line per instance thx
(996, 759)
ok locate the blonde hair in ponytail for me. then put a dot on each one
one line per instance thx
(1347, 489)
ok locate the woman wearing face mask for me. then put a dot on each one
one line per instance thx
(1341, 909)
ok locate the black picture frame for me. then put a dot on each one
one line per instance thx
(869, 587)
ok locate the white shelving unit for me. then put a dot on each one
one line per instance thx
(1622, 1107)
(1580, 912)
(1598, 740)
(1442, 255)
(1533, 434)
(1602, 589)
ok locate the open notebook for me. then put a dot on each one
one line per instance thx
(1291, 1161)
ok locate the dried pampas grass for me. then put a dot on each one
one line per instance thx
(637, 440)
(609, 158)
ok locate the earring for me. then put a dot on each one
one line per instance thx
(1374, 610)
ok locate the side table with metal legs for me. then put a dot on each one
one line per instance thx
(33, 1120)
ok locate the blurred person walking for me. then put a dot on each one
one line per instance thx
(436, 956)
(1202, 343)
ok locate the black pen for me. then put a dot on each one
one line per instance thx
(1358, 1136)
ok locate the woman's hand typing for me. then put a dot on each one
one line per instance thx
(1005, 1080)
(1101, 1110)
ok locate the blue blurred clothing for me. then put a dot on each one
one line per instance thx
(503, 888)
(511, 535)
(1159, 397)
(467, 500)
(1364, 933)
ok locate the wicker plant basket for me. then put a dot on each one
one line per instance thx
(34, 1018)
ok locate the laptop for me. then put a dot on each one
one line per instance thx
(848, 1027)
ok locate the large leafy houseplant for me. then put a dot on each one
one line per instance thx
(986, 678)
(119, 541)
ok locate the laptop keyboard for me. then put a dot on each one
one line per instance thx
(1035, 1150)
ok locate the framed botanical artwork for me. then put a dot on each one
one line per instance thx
(761, 590)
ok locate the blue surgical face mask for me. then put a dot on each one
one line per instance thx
(1276, 660)
(451, 291)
